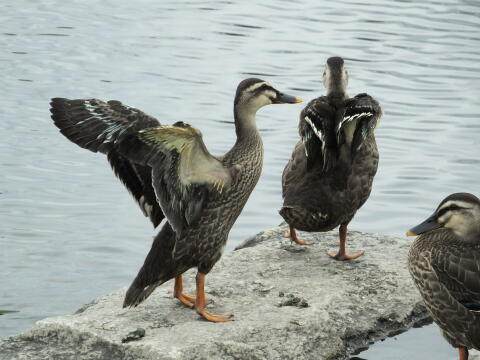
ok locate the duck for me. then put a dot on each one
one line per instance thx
(171, 174)
(330, 173)
(444, 262)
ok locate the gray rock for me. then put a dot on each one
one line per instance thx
(134, 335)
(350, 304)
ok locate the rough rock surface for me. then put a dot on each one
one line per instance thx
(344, 306)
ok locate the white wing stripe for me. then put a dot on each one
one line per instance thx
(347, 119)
(304, 141)
(317, 132)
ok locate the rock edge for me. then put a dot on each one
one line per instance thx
(349, 305)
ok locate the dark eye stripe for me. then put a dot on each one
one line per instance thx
(450, 208)
(263, 88)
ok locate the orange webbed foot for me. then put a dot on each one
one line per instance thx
(200, 303)
(187, 300)
(292, 235)
(344, 256)
(215, 317)
(192, 298)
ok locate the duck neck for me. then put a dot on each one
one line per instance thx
(337, 97)
(245, 124)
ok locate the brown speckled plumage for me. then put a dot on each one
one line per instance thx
(446, 270)
(171, 174)
(320, 201)
(330, 174)
(202, 245)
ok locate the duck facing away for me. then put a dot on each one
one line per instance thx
(444, 261)
(330, 174)
(171, 174)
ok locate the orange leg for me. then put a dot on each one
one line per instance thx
(200, 303)
(185, 299)
(462, 353)
(342, 252)
(293, 236)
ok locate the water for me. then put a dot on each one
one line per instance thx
(70, 231)
(420, 343)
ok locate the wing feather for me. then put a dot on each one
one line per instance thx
(100, 126)
(366, 111)
(184, 173)
(316, 132)
(460, 273)
(97, 125)
(138, 181)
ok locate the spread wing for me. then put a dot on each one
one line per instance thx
(97, 125)
(138, 181)
(184, 173)
(367, 112)
(316, 131)
(100, 126)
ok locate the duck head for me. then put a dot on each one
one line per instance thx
(335, 76)
(459, 212)
(252, 94)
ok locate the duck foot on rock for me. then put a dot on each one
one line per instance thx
(215, 317)
(200, 302)
(344, 256)
(292, 235)
(186, 299)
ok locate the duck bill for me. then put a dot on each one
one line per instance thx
(428, 225)
(286, 99)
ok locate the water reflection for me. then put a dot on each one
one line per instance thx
(418, 343)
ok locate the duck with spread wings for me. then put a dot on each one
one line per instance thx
(330, 174)
(171, 174)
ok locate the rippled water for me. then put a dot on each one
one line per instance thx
(70, 231)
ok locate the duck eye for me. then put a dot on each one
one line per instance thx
(450, 208)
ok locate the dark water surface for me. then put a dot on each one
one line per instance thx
(70, 232)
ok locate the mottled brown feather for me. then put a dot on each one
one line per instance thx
(446, 271)
(324, 189)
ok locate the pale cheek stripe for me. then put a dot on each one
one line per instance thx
(459, 203)
(256, 86)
